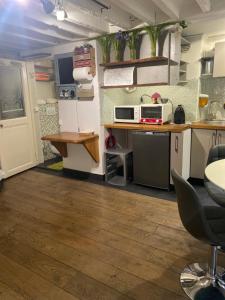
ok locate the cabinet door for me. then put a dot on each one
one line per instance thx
(220, 136)
(176, 153)
(180, 153)
(202, 141)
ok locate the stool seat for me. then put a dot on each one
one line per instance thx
(216, 193)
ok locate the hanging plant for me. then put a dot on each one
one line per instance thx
(119, 44)
(154, 32)
(105, 42)
(134, 43)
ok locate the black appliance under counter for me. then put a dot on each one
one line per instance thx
(151, 158)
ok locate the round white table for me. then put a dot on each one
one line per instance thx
(215, 172)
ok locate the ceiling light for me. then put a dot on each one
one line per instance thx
(23, 2)
(61, 14)
(60, 11)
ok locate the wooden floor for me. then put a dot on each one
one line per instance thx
(67, 239)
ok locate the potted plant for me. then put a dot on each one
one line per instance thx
(119, 44)
(134, 43)
(105, 42)
(154, 32)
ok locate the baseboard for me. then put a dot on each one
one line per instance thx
(82, 175)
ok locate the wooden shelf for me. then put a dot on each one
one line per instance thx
(88, 140)
(42, 67)
(134, 85)
(143, 62)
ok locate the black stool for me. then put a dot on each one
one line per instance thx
(205, 222)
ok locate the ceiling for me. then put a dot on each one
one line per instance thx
(25, 26)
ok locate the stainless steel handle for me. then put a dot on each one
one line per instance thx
(213, 139)
(176, 143)
(219, 138)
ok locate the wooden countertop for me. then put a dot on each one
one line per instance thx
(146, 127)
(167, 127)
(213, 125)
(69, 137)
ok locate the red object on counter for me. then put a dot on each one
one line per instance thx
(110, 141)
(151, 121)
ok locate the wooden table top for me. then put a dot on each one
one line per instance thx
(69, 137)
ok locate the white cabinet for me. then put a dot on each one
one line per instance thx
(220, 137)
(180, 150)
(202, 141)
(219, 66)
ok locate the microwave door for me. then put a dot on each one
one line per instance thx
(151, 112)
(124, 113)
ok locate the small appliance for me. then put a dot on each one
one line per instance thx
(127, 113)
(156, 113)
(179, 115)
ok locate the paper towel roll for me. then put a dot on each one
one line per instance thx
(82, 74)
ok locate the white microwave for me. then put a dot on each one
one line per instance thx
(156, 113)
(127, 114)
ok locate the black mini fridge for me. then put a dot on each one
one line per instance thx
(151, 158)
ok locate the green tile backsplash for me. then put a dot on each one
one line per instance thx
(186, 95)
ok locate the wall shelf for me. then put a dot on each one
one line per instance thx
(134, 85)
(88, 140)
(143, 62)
(42, 67)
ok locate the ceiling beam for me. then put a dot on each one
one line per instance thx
(30, 34)
(169, 8)
(31, 27)
(146, 11)
(20, 41)
(26, 35)
(85, 18)
(34, 11)
(114, 14)
(205, 5)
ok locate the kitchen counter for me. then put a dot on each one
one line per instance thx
(205, 125)
(146, 127)
(167, 127)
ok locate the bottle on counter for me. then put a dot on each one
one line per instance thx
(179, 115)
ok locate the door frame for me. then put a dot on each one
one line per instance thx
(29, 104)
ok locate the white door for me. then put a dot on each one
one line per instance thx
(17, 144)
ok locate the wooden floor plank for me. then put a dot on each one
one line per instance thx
(28, 284)
(9, 294)
(87, 241)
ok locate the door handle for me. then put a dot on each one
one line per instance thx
(176, 143)
(219, 138)
(213, 139)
